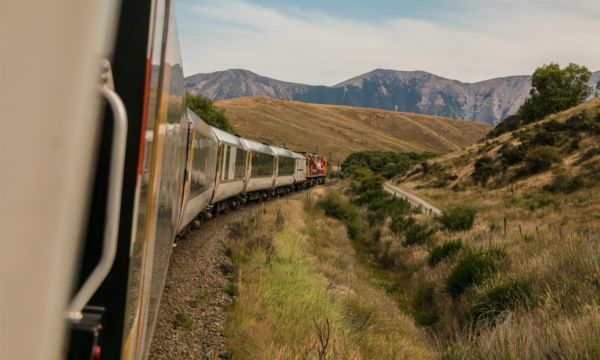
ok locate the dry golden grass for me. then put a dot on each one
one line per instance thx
(311, 283)
(342, 130)
(555, 247)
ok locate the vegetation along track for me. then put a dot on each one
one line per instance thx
(197, 294)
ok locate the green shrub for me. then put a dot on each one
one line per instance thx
(230, 289)
(511, 155)
(485, 168)
(509, 123)
(400, 223)
(499, 298)
(335, 207)
(460, 218)
(563, 182)
(539, 159)
(423, 302)
(207, 111)
(385, 163)
(546, 137)
(441, 252)
(540, 201)
(387, 206)
(418, 234)
(183, 320)
(472, 268)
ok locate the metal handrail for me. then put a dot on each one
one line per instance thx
(113, 204)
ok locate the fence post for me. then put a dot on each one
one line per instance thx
(520, 232)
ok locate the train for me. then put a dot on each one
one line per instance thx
(223, 171)
(104, 171)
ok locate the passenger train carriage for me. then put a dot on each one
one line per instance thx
(119, 168)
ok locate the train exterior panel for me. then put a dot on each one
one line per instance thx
(286, 167)
(261, 166)
(300, 174)
(231, 166)
(201, 167)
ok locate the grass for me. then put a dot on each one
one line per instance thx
(532, 290)
(472, 268)
(458, 218)
(314, 299)
(184, 321)
(444, 251)
(198, 300)
(342, 130)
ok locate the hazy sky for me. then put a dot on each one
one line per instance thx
(327, 41)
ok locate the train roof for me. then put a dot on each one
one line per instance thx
(227, 138)
(286, 152)
(255, 146)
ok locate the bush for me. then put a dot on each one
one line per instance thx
(334, 206)
(472, 269)
(206, 110)
(499, 298)
(424, 314)
(509, 123)
(183, 320)
(511, 155)
(563, 182)
(546, 137)
(400, 223)
(540, 158)
(418, 234)
(485, 168)
(385, 163)
(460, 218)
(441, 252)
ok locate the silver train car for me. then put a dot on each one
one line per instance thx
(224, 171)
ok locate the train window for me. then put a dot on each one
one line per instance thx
(226, 156)
(287, 166)
(199, 180)
(262, 164)
(240, 163)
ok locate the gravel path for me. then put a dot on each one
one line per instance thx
(193, 307)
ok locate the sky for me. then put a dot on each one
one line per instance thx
(324, 42)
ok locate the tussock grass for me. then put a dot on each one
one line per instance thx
(314, 299)
(533, 290)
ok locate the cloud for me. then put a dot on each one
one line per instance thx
(476, 42)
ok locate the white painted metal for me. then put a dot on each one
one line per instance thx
(47, 146)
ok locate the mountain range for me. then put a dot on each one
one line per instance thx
(488, 101)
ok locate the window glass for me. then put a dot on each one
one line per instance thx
(199, 177)
(262, 164)
(240, 163)
(287, 166)
(225, 158)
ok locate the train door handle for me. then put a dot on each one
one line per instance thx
(113, 197)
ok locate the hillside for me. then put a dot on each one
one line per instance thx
(487, 101)
(341, 130)
(522, 280)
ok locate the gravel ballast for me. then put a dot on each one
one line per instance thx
(193, 308)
